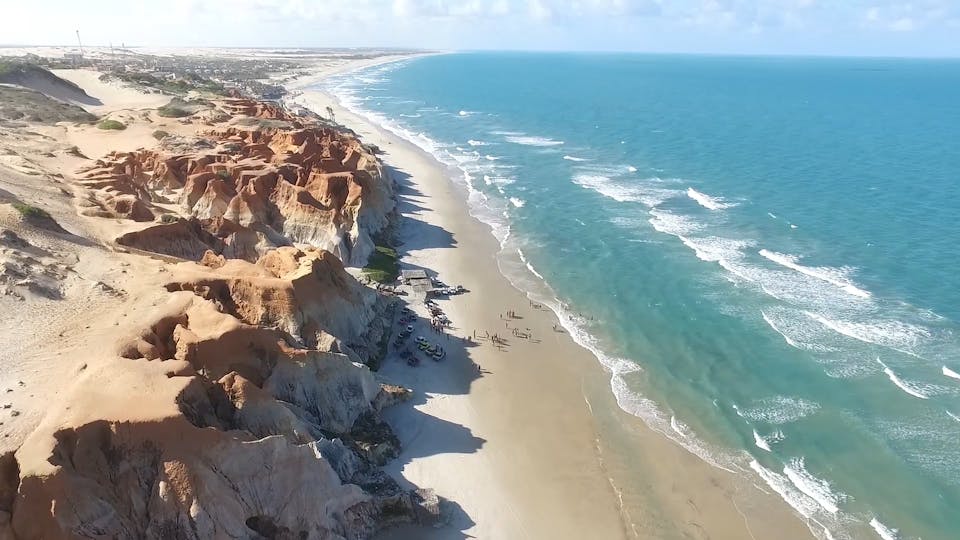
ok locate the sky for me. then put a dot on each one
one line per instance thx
(807, 27)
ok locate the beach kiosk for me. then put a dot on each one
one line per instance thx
(417, 282)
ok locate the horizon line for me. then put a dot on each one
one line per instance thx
(838, 55)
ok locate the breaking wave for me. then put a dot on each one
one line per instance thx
(708, 202)
(829, 275)
(886, 533)
(622, 192)
(527, 140)
(908, 388)
(811, 486)
(760, 442)
(894, 334)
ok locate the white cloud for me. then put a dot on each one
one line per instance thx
(539, 10)
(904, 24)
(567, 24)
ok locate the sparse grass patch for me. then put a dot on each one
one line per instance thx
(382, 265)
(160, 134)
(111, 124)
(29, 211)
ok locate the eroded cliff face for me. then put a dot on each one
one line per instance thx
(247, 187)
(235, 401)
(236, 412)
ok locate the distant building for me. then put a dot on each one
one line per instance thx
(74, 58)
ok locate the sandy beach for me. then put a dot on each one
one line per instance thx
(511, 435)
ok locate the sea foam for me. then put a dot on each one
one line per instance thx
(527, 140)
(894, 334)
(673, 224)
(951, 373)
(573, 158)
(885, 532)
(779, 410)
(760, 442)
(829, 275)
(790, 341)
(800, 502)
(708, 202)
(908, 388)
(677, 426)
(529, 266)
(813, 487)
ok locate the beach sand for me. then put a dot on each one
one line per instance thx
(533, 445)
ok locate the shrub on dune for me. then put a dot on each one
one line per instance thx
(111, 124)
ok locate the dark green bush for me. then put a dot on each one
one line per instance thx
(111, 124)
(29, 211)
(382, 265)
(172, 112)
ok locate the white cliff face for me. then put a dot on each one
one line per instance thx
(327, 390)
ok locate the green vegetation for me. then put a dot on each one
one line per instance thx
(223, 174)
(169, 218)
(160, 134)
(111, 124)
(382, 265)
(28, 211)
(24, 105)
(172, 112)
(181, 84)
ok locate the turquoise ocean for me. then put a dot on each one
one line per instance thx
(763, 252)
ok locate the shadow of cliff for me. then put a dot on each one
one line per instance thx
(421, 434)
(459, 522)
(424, 435)
(427, 235)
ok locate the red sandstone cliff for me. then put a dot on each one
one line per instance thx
(251, 187)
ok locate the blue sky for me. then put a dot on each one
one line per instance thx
(839, 27)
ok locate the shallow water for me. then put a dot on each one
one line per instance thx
(761, 250)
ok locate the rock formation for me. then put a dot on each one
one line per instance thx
(242, 406)
(263, 181)
(237, 410)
